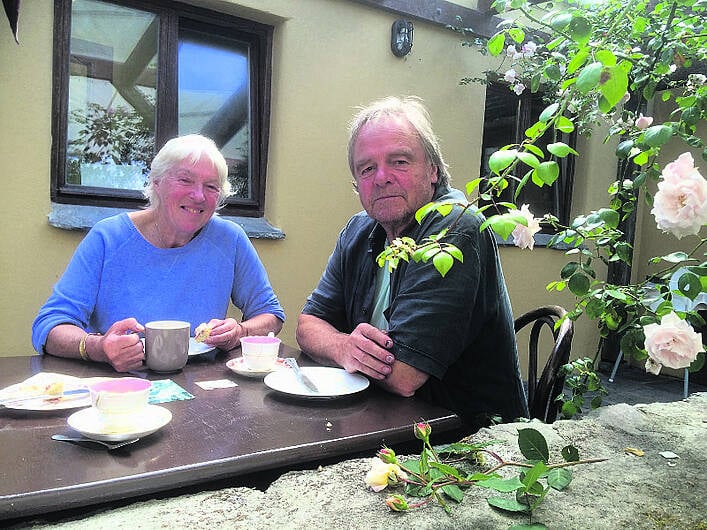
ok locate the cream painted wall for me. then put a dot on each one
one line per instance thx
(329, 56)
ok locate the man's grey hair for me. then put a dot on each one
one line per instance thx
(412, 109)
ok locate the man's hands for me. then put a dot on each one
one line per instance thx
(366, 350)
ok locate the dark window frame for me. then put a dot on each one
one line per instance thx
(563, 187)
(260, 36)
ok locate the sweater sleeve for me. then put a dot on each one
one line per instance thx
(73, 297)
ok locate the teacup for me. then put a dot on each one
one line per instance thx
(120, 401)
(259, 352)
(166, 345)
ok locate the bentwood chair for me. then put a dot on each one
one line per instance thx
(543, 392)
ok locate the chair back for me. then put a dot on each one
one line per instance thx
(543, 392)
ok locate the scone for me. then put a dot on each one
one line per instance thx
(202, 332)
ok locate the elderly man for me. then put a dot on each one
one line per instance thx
(447, 340)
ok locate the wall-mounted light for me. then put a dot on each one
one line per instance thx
(401, 37)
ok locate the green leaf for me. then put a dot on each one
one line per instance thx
(548, 112)
(496, 44)
(605, 57)
(698, 363)
(561, 149)
(506, 504)
(641, 158)
(564, 124)
(553, 72)
(528, 159)
(472, 185)
(657, 135)
(595, 307)
(533, 474)
(453, 492)
(422, 212)
(589, 77)
(547, 172)
(517, 34)
(613, 84)
(504, 485)
(580, 30)
(623, 150)
(500, 224)
(609, 216)
(569, 409)
(559, 478)
(675, 257)
(579, 284)
(570, 453)
(532, 445)
(561, 21)
(569, 269)
(690, 285)
(500, 160)
(577, 61)
(443, 262)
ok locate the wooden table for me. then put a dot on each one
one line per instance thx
(219, 434)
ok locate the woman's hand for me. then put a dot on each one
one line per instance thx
(225, 334)
(121, 345)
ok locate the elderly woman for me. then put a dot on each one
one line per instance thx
(173, 260)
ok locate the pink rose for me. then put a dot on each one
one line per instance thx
(518, 88)
(643, 122)
(672, 343)
(523, 235)
(680, 205)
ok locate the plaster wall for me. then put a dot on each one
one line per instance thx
(329, 56)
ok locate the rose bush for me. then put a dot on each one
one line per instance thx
(601, 64)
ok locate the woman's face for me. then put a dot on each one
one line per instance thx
(188, 196)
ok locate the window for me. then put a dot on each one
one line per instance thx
(506, 117)
(130, 75)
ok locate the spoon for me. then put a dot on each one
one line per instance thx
(79, 440)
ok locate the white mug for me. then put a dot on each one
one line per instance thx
(166, 345)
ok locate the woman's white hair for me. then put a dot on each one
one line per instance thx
(193, 148)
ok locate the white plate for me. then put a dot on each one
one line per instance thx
(88, 423)
(331, 382)
(195, 348)
(35, 385)
(238, 366)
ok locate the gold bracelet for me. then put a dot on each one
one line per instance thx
(82, 346)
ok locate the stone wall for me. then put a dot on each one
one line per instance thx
(626, 491)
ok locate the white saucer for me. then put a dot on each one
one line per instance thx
(89, 423)
(238, 365)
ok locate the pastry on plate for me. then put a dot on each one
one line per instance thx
(202, 332)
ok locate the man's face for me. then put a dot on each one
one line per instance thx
(392, 175)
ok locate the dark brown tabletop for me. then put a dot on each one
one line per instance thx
(219, 434)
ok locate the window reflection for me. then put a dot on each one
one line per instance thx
(112, 95)
(214, 99)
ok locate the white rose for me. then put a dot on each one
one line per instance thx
(672, 343)
(523, 235)
(680, 205)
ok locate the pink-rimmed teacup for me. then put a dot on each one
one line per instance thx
(118, 401)
(260, 352)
